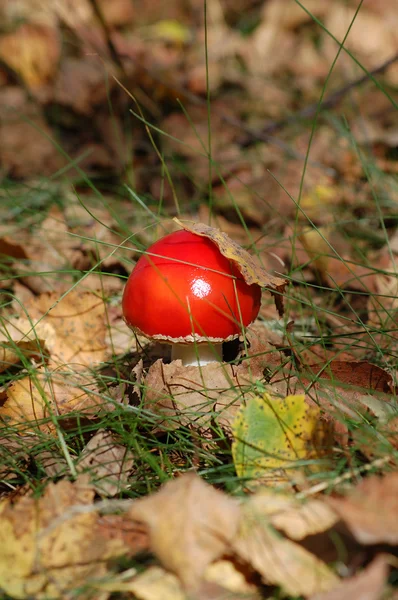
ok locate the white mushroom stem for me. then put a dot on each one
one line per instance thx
(197, 354)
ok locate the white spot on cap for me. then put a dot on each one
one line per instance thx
(201, 288)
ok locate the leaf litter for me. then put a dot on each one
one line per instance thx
(325, 236)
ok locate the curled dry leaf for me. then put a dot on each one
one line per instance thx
(107, 463)
(370, 511)
(367, 585)
(356, 374)
(297, 519)
(190, 525)
(19, 339)
(74, 330)
(278, 560)
(52, 545)
(199, 396)
(342, 389)
(251, 271)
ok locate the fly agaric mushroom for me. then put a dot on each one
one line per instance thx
(185, 292)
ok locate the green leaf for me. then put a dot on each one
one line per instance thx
(271, 435)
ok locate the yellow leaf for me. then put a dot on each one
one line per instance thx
(271, 435)
(170, 30)
(44, 552)
(30, 402)
(33, 51)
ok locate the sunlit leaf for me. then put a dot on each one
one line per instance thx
(271, 435)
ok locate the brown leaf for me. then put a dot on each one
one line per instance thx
(370, 511)
(26, 148)
(342, 389)
(152, 584)
(119, 337)
(228, 576)
(190, 525)
(295, 518)
(48, 247)
(279, 560)
(52, 462)
(13, 453)
(252, 272)
(107, 463)
(356, 373)
(382, 306)
(380, 43)
(46, 552)
(20, 338)
(78, 320)
(81, 85)
(35, 401)
(367, 585)
(198, 395)
(117, 13)
(96, 226)
(33, 51)
(222, 580)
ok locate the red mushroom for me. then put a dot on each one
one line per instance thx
(185, 292)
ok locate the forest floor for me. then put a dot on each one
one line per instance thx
(272, 473)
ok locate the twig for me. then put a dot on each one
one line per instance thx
(108, 36)
(309, 111)
(324, 485)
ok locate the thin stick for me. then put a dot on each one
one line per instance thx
(309, 111)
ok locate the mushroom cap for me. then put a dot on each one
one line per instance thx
(183, 290)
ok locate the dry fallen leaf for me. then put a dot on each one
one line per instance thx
(52, 462)
(222, 580)
(48, 550)
(199, 396)
(228, 575)
(251, 271)
(190, 525)
(78, 320)
(370, 511)
(36, 401)
(297, 519)
(48, 247)
(19, 339)
(356, 374)
(279, 560)
(369, 584)
(380, 43)
(382, 306)
(107, 462)
(33, 51)
(26, 148)
(152, 584)
(13, 453)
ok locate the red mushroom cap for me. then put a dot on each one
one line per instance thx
(200, 292)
